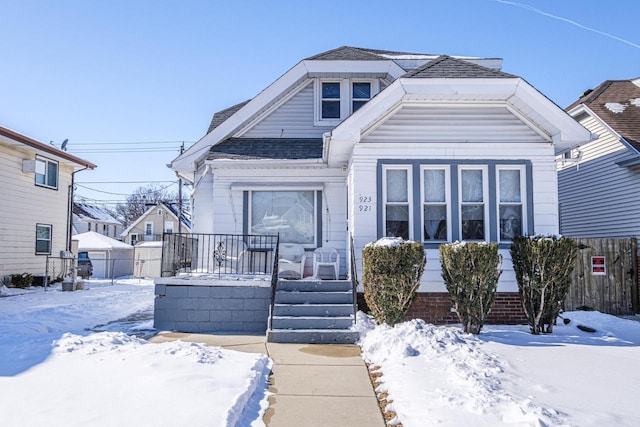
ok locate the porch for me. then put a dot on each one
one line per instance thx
(234, 283)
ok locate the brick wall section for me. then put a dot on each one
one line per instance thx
(435, 307)
(187, 308)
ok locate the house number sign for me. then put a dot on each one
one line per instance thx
(598, 267)
(365, 203)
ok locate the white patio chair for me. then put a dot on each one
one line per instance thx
(291, 259)
(326, 257)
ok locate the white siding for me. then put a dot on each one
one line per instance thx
(293, 119)
(414, 123)
(363, 180)
(599, 198)
(225, 214)
(23, 206)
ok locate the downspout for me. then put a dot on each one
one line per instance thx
(70, 207)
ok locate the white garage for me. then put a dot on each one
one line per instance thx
(110, 258)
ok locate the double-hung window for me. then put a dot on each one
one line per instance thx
(510, 202)
(360, 94)
(291, 214)
(148, 228)
(338, 98)
(46, 173)
(397, 213)
(435, 203)
(330, 100)
(473, 194)
(43, 239)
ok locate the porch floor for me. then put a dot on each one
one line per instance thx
(312, 384)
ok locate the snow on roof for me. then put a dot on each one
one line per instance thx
(93, 213)
(96, 241)
(155, 244)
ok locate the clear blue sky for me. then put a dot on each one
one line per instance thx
(103, 74)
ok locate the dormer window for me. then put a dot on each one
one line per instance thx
(337, 99)
(331, 100)
(360, 94)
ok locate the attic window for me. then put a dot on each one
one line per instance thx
(335, 100)
(360, 94)
(331, 100)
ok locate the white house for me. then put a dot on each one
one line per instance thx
(87, 217)
(599, 181)
(36, 192)
(360, 143)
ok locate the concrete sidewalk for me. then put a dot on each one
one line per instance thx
(312, 384)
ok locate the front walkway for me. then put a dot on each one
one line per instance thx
(312, 384)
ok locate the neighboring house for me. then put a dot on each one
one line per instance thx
(359, 143)
(36, 191)
(94, 218)
(158, 219)
(599, 181)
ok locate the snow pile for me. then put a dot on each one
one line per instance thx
(60, 373)
(437, 375)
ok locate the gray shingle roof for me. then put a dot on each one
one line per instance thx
(447, 67)
(267, 148)
(617, 102)
(350, 53)
(223, 115)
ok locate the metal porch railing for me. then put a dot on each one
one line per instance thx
(218, 254)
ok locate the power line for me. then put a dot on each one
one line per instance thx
(122, 194)
(121, 182)
(132, 143)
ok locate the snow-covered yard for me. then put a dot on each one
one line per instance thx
(59, 367)
(506, 376)
(56, 371)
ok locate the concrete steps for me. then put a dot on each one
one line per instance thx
(318, 312)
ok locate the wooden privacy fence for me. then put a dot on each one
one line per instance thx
(606, 276)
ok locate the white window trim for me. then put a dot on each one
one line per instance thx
(523, 197)
(345, 98)
(447, 189)
(50, 240)
(169, 229)
(485, 199)
(46, 172)
(409, 201)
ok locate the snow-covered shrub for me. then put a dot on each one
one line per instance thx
(471, 272)
(22, 281)
(392, 269)
(543, 267)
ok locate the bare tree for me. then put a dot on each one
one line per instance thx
(139, 201)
